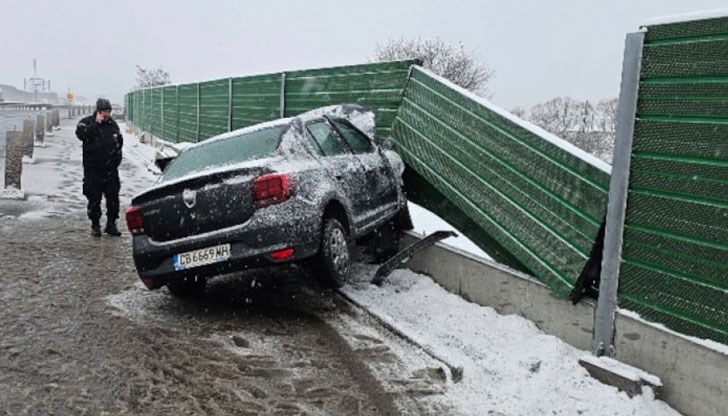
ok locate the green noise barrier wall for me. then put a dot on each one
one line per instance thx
(535, 205)
(195, 112)
(377, 86)
(525, 200)
(675, 254)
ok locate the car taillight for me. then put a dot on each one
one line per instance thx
(134, 221)
(281, 255)
(272, 189)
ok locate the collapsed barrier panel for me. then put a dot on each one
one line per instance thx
(533, 199)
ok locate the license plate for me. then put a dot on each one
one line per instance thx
(201, 257)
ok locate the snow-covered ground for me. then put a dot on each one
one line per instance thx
(510, 366)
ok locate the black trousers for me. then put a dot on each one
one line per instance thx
(98, 183)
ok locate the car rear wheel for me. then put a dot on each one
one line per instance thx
(333, 262)
(189, 287)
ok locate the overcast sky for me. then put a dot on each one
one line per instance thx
(539, 49)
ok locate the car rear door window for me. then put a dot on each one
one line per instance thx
(326, 138)
(248, 146)
(358, 142)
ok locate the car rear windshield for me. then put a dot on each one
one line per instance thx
(249, 146)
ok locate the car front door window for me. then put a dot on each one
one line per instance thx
(378, 174)
(343, 167)
(358, 142)
(326, 138)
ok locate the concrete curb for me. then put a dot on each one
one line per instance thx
(456, 371)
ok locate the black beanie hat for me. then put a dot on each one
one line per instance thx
(103, 104)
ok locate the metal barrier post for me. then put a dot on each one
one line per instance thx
(230, 104)
(603, 341)
(283, 95)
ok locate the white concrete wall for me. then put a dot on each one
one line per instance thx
(695, 377)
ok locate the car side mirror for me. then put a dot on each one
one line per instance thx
(163, 162)
(387, 144)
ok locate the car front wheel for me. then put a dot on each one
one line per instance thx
(333, 261)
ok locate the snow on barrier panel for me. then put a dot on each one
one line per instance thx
(526, 194)
(675, 255)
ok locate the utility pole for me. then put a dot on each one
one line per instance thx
(36, 83)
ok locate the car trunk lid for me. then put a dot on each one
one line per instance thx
(199, 205)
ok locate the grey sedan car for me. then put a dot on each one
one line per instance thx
(299, 189)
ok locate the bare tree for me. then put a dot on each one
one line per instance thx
(607, 115)
(557, 116)
(151, 77)
(451, 62)
(588, 127)
(587, 117)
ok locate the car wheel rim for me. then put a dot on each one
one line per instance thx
(339, 252)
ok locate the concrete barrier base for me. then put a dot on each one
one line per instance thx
(694, 376)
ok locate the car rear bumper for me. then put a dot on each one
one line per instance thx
(250, 247)
(240, 260)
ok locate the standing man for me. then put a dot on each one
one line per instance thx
(102, 142)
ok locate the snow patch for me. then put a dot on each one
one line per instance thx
(625, 371)
(688, 17)
(12, 192)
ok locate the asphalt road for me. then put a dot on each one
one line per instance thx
(82, 336)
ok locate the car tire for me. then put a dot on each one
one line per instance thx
(188, 287)
(333, 261)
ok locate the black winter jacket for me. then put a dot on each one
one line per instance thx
(101, 143)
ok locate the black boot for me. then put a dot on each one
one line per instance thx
(111, 229)
(95, 229)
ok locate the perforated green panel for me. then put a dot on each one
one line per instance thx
(378, 86)
(148, 117)
(214, 105)
(187, 108)
(256, 99)
(675, 255)
(170, 117)
(539, 202)
(155, 120)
